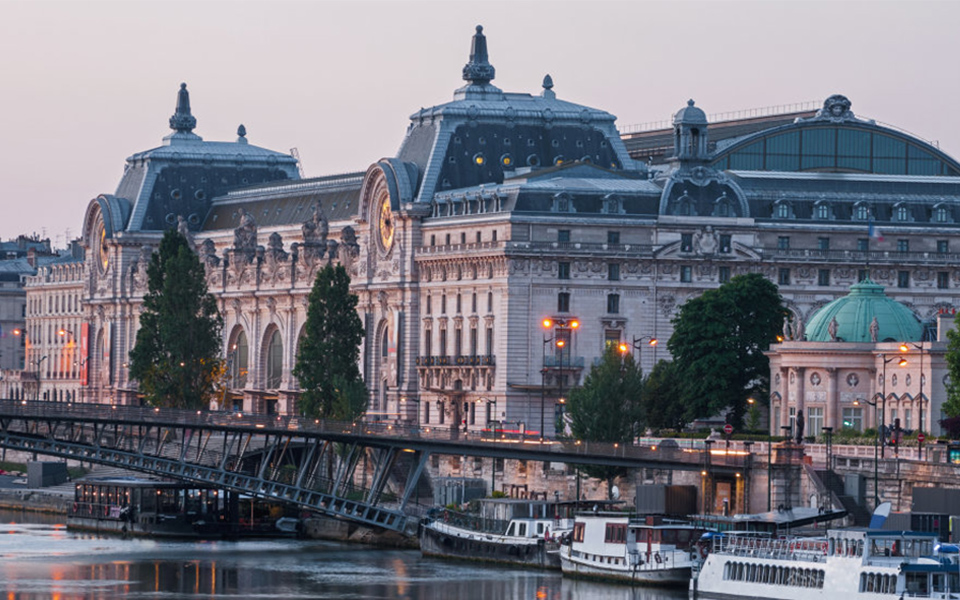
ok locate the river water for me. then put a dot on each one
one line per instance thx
(41, 560)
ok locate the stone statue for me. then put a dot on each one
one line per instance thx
(183, 228)
(275, 247)
(874, 329)
(706, 241)
(316, 228)
(798, 330)
(786, 329)
(832, 329)
(208, 253)
(245, 236)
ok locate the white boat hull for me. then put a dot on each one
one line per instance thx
(674, 571)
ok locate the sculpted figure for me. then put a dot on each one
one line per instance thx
(832, 329)
(874, 329)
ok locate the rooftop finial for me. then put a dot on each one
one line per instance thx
(182, 120)
(241, 134)
(548, 87)
(479, 70)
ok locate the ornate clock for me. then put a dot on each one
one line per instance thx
(103, 253)
(385, 222)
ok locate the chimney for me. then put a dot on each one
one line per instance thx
(32, 256)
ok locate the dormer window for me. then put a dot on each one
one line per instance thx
(901, 212)
(861, 212)
(941, 214)
(781, 210)
(721, 206)
(821, 211)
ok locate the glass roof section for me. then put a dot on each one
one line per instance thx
(849, 147)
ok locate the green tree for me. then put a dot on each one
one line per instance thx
(951, 408)
(176, 357)
(718, 343)
(607, 408)
(330, 350)
(661, 397)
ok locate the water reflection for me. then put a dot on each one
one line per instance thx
(43, 561)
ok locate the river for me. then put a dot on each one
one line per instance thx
(41, 560)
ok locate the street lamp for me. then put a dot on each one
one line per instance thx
(828, 432)
(560, 342)
(901, 362)
(876, 459)
(905, 347)
(638, 345)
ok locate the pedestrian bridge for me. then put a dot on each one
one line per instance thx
(306, 462)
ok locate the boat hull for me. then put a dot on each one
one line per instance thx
(651, 573)
(442, 541)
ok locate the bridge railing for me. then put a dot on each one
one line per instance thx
(294, 425)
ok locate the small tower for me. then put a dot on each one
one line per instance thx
(690, 135)
(182, 122)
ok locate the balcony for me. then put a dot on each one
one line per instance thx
(464, 360)
(569, 362)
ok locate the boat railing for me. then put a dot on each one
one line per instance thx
(793, 549)
(472, 522)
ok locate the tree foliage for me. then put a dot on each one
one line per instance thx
(718, 343)
(176, 357)
(327, 359)
(661, 390)
(951, 408)
(608, 407)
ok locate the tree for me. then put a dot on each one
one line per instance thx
(330, 350)
(718, 343)
(661, 389)
(176, 357)
(951, 408)
(607, 408)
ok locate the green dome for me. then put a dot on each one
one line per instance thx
(854, 313)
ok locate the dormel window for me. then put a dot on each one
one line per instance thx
(861, 211)
(722, 206)
(561, 202)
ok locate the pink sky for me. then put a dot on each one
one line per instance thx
(86, 84)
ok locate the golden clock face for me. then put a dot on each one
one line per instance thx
(385, 222)
(102, 253)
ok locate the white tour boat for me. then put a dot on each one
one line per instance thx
(845, 563)
(616, 547)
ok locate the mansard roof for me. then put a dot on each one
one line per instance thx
(185, 173)
(485, 133)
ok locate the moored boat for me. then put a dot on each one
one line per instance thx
(616, 547)
(851, 563)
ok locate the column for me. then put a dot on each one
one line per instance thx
(833, 399)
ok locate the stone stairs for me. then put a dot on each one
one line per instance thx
(833, 482)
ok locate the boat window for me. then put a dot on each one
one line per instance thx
(510, 530)
(522, 530)
(578, 532)
(539, 529)
(916, 584)
(616, 533)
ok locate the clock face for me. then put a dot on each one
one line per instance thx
(102, 253)
(385, 222)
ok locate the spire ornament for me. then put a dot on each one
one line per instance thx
(479, 70)
(182, 121)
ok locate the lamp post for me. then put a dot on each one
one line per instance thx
(828, 432)
(876, 459)
(638, 345)
(902, 362)
(905, 347)
(560, 342)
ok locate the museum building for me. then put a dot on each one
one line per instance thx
(500, 212)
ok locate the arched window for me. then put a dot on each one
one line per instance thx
(385, 342)
(781, 210)
(941, 214)
(822, 211)
(239, 361)
(861, 212)
(274, 360)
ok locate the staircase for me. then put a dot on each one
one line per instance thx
(834, 483)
